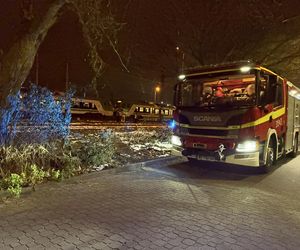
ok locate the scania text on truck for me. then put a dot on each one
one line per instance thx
(239, 113)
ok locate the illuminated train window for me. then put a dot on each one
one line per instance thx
(75, 104)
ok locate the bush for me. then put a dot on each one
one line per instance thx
(39, 150)
(17, 159)
(32, 175)
(36, 162)
(45, 118)
(95, 150)
(40, 116)
(13, 183)
(28, 165)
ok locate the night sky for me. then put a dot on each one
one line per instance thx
(152, 31)
(65, 44)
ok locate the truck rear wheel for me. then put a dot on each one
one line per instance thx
(295, 147)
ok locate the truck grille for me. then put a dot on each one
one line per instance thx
(213, 132)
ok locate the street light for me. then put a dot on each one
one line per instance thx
(156, 90)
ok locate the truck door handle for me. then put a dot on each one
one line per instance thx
(270, 119)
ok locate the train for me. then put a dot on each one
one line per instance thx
(92, 109)
(137, 112)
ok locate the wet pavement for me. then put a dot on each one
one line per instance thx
(159, 207)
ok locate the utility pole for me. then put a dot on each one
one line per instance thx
(182, 62)
(162, 86)
(67, 76)
(181, 57)
(37, 69)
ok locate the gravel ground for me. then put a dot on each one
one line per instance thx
(132, 144)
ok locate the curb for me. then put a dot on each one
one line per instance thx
(163, 162)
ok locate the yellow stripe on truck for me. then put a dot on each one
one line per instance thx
(266, 118)
(275, 114)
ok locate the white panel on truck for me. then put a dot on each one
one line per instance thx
(290, 124)
(297, 113)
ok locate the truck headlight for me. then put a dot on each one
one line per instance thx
(176, 140)
(247, 146)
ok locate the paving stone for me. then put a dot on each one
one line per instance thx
(188, 242)
(153, 210)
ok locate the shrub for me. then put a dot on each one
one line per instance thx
(32, 175)
(13, 184)
(28, 165)
(35, 162)
(17, 159)
(54, 175)
(45, 117)
(95, 150)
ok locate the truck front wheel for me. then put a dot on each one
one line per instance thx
(192, 161)
(270, 161)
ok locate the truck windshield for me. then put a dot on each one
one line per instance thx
(229, 90)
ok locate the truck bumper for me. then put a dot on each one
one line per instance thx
(244, 159)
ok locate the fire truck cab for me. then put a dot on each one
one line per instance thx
(238, 113)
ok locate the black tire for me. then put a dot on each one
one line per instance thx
(192, 161)
(295, 147)
(271, 158)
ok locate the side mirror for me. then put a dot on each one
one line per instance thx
(175, 87)
(175, 95)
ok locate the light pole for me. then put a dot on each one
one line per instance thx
(156, 90)
(181, 57)
(37, 69)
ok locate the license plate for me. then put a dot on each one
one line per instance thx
(205, 158)
(199, 145)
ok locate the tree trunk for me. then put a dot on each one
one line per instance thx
(17, 62)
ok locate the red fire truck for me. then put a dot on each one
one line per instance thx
(238, 113)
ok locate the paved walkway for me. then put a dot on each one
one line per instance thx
(176, 207)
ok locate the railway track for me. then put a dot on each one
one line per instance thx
(101, 125)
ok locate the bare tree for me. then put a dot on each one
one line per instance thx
(98, 25)
(17, 62)
(207, 32)
(280, 49)
(266, 32)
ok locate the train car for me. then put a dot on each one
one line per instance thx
(89, 109)
(93, 109)
(150, 112)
